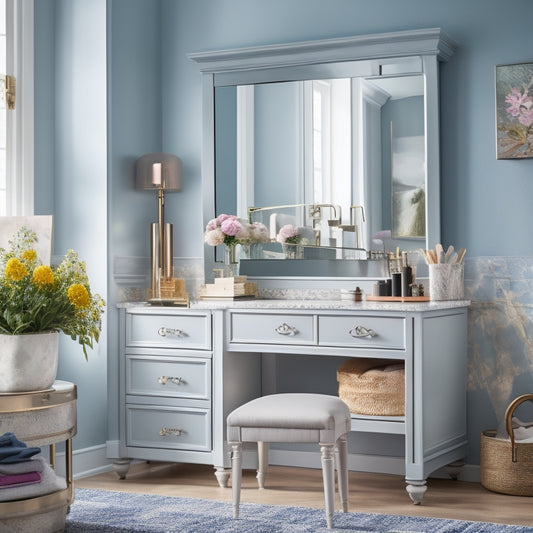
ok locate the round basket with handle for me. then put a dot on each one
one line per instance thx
(507, 465)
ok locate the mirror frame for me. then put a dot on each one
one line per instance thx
(368, 55)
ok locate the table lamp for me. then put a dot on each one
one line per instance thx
(162, 173)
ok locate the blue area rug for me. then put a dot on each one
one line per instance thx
(100, 511)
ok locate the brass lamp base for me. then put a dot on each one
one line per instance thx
(171, 291)
(179, 302)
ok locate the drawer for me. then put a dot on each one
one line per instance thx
(179, 428)
(178, 377)
(185, 330)
(263, 328)
(388, 332)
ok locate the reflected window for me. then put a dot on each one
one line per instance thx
(332, 135)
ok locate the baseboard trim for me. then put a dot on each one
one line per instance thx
(94, 460)
(366, 463)
(468, 472)
(85, 462)
(356, 462)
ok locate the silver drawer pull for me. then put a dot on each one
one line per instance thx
(285, 329)
(163, 332)
(162, 380)
(360, 331)
(163, 432)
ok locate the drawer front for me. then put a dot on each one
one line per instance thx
(168, 331)
(259, 328)
(178, 377)
(384, 332)
(179, 428)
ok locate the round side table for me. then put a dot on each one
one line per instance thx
(41, 418)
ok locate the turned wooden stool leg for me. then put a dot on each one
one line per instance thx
(342, 471)
(262, 454)
(236, 476)
(328, 473)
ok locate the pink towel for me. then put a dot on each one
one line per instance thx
(16, 480)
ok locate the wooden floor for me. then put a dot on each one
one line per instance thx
(374, 493)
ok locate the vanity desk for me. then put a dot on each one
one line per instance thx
(182, 371)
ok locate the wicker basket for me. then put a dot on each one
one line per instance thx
(373, 386)
(506, 465)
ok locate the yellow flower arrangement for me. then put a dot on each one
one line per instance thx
(15, 270)
(36, 297)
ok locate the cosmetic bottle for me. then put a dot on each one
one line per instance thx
(407, 277)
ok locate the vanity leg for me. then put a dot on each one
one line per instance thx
(454, 469)
(222, 474)
(121, 467)
(416, 488)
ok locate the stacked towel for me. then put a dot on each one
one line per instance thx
(523, 431)
(49, 482)
(13, 450)
(23, 474)
(16, 480)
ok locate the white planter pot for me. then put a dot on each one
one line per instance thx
(28, 362)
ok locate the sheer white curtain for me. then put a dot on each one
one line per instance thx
(16, 112)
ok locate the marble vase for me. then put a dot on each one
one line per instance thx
(28, 361)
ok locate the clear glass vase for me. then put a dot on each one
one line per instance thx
(231, 265)
(292, 251)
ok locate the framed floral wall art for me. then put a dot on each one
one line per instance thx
(514, 111)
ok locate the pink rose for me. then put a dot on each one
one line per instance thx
(223, 217)
(287, 232)
(214, 237)
(211, 225)
(259, 232)
(231, 226)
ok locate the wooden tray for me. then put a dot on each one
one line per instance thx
(403, 299)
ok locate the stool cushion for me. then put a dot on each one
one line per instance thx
(291, 417)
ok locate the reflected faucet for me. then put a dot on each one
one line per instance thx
(352, 226)
(315, 213)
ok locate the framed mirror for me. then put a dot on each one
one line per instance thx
(349, 122)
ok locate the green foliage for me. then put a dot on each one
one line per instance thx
(36, 298)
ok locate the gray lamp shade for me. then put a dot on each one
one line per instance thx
(159, 171)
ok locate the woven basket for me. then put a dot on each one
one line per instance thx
(506, 465)
(372, 386)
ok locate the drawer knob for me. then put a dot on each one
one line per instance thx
(163, 432)
(162, 380)
(360, 331)
(171, 332)
(285, 329)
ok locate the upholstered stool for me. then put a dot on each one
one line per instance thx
(293, 417)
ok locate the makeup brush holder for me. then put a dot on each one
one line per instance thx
(446, 281)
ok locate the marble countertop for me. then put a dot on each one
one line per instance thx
(314, 304)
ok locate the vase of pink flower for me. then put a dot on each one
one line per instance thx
(232, 232)
(290, 238)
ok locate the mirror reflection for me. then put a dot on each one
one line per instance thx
(357, 144)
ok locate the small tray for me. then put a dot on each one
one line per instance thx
(403, 299)
(184, 302)
(229, 298)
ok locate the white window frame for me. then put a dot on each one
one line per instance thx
(20, 128)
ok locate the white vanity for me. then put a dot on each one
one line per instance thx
(183, 370)
(179, 372)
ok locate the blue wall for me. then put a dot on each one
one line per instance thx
(71, 172)
(134, 129)
(277, 144)
(485, 203)
(154, 103)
